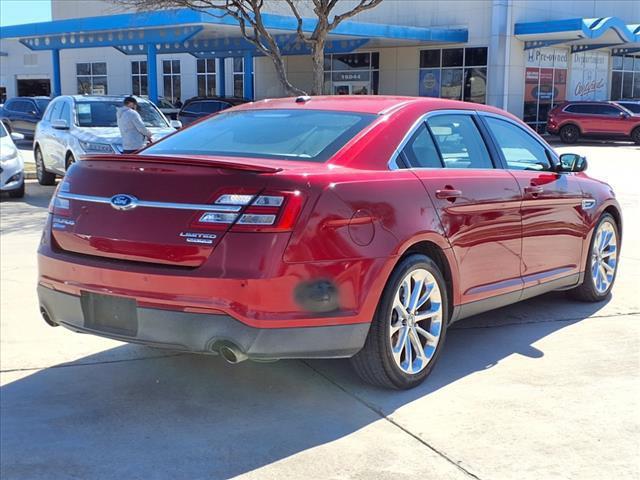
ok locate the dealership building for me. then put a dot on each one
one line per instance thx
(521, 55)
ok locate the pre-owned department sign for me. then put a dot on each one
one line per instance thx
(589, 76)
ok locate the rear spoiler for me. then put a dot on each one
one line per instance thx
(187, 160)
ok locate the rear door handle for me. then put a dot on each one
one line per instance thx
(448, 194)
(533, 190)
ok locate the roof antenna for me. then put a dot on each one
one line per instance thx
(303, 98)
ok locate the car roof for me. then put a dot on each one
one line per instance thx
(39, 97)
(224, 99)
(376, 104)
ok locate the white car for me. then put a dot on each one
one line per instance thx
(11, 164)
(78, 125)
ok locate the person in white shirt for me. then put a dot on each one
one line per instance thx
(134, 133)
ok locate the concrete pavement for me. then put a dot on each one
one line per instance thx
(548, 388)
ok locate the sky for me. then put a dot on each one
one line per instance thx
(14, 12)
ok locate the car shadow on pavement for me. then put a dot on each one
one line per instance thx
(28, 214)
(136, 412)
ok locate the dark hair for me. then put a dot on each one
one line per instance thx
(130, 100)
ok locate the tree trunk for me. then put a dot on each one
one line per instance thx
(281, 71)
(317, 56)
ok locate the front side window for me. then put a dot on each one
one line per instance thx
(520, 150)
(104, 114)
(459, 141)
(304, 135)
(54, 110)
(420, 151)
(91, 78)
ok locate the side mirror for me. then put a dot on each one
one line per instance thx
(33, 113)
(624, 115)
(16, 137)
(60, 124)
(177, 124)
(572, 162)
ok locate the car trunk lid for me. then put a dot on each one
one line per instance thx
(147, 208)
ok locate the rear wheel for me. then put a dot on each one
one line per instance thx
(602, 262)
(70, 160)
(569, 134)
(409, 327)
(44, 177)
(635, 135)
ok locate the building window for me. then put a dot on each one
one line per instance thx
(352, 73)
(92, 78)
(238, 77)
(139, 78)
(545, 84)
(206, 73)
(171, 80)
(455, 73)
(625, 77)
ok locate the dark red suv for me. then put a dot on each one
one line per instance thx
(605, 120)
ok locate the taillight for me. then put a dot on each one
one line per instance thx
(253, 212)
(57, 205)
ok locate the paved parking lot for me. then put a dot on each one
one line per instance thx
(546, 389)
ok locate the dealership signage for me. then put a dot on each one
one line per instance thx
(589, 76)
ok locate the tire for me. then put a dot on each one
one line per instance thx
(70, 160)
(635, 135)
(44, 177)
(569, 134)
(591, 290)
(376, 363)
(17, 193)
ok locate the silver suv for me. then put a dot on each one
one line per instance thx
(77, 125)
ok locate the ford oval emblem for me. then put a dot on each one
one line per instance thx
(123, 201)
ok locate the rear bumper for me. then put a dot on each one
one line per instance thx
(205, 333)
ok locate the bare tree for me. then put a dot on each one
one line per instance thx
(249, 15)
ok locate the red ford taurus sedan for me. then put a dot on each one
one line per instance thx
(324, 227)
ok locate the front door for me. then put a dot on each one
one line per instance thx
(478, 204)
(553, 228)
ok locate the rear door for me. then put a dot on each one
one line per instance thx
(553, 226)
(478, 204)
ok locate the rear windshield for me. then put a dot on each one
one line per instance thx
(308, 135)
(103, 114)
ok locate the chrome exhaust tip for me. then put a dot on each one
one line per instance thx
(232, 354)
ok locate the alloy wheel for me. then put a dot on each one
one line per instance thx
(416, 321)
(604, 257)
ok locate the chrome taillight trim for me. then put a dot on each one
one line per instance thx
(148, 204)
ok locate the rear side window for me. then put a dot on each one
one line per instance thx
(194, 107)
(420, 151)
(520, 150)
(579, 109)
(306, 135)
(459, 141)
(211, 107)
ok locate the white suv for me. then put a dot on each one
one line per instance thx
(78, 125)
